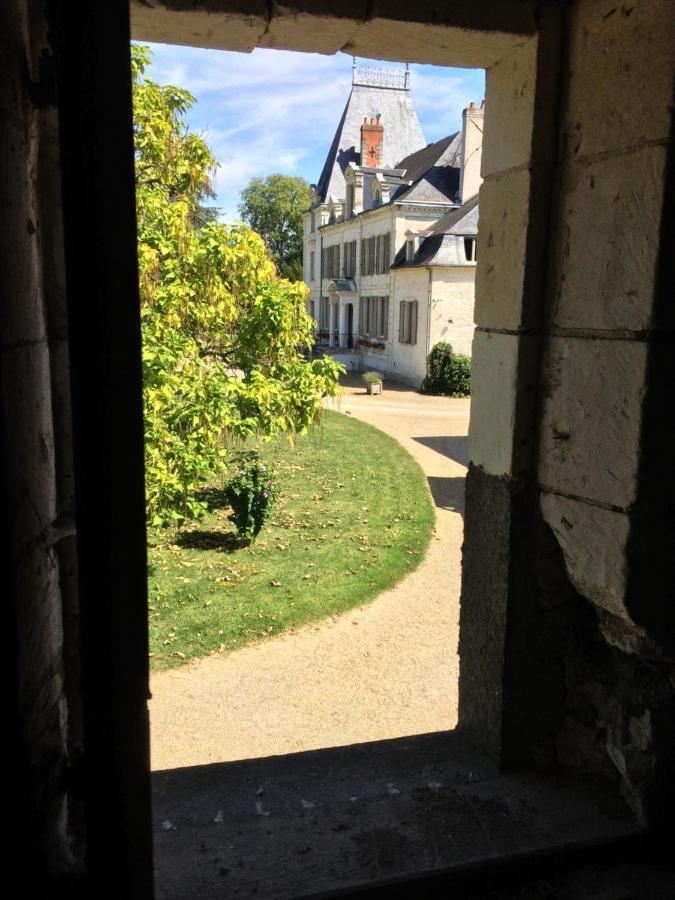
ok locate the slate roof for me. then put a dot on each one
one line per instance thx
(460, 220)
(444, 241)
(434, 172)
(402, 134)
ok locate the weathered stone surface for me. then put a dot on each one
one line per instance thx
(292, 30)
(593, 542)
(211, 24)
(582, 748)
(620, 88)
(631, 639)
(501, 366)
(509, 110)
(485, 590)
(469, 33)
(591, 420)
(380, 38)
(502, 242)
(606, 278)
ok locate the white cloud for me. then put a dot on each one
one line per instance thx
(274, 111)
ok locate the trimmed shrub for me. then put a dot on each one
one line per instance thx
(449, 373)
(372, 377)
(250, 493)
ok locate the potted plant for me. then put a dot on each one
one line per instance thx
(373, 382)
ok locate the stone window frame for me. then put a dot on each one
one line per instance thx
(508, 39)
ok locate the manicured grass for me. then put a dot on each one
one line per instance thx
(353, 517)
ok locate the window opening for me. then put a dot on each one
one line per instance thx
(408, 322)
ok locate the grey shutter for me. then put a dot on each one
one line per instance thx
(401, 322)
(385, 317)
(378, 252)
(337, 260)
(413, 323)
(387, 251)
(363, 258)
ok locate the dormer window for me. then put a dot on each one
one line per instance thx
(349, 212)
(412, 245)
(377, 197)
(470, 249)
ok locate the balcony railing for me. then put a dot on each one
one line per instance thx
(336, 340)
(324, 339)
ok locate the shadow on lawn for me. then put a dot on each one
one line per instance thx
(206, 539)
(214, 497)
(227, 541)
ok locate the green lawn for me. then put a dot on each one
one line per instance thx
(354, 515)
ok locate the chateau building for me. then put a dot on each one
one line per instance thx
(390, 235)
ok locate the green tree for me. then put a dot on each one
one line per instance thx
(221, 330)
(273, 207)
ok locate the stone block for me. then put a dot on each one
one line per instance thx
(509, 110)
(485, 594)
(621, 62)
(295, 29)
(593, 542)
(591, 421)
(501, 256)
(497, 382)
(426, 42)
(214, 24)
(609, 246)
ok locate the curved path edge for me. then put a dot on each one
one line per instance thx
(384, 670)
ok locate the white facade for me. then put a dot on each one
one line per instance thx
(387, 279)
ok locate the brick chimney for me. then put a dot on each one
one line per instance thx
(472, 146)
(372, 138)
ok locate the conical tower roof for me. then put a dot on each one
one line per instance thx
(374, 91)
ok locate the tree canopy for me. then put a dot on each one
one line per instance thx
(273, 207)
(222, 332)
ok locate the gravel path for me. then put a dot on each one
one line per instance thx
(381, 671)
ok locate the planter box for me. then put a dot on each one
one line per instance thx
(374, 388)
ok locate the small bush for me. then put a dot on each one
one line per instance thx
(250, 493)
(449, 373)
(372, 377)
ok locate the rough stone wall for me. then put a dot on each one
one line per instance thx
(596, 461)
(569, 523)
(37, 473)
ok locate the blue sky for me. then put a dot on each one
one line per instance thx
(276, 111)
